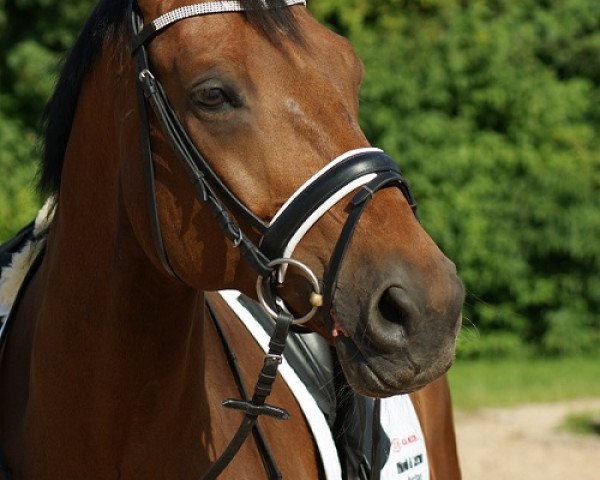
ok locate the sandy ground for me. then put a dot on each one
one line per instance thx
(524, 444)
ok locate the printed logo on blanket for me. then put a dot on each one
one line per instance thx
(408, 456)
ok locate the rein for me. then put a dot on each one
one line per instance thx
(265, 451)
(366, 169)
(255, 406)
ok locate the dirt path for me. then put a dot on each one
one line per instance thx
(524, 444)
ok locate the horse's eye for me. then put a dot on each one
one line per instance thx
(210, 98)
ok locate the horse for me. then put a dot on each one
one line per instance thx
(192, 148)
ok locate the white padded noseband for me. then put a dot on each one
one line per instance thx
(327, 204)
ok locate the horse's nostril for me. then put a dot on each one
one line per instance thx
(392, 308)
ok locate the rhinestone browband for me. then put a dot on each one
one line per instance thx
(223, 6)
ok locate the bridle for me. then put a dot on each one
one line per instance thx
(366, 169)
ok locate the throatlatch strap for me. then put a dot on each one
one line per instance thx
(150, 182)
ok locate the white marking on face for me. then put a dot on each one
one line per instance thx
(294, 107)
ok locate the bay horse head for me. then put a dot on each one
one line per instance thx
(253, 152)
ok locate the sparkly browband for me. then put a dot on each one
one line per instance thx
(220, 6)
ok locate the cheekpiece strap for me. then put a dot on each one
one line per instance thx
(358, 203)
(198, 9)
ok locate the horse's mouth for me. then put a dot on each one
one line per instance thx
(371, 374)
(339, 328)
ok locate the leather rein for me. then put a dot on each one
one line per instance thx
(366, 169)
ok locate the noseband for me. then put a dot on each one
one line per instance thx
(365, 170)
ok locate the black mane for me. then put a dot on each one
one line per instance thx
(109, 22)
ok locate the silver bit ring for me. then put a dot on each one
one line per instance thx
(307, 273)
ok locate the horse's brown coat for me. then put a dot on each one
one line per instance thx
(110, 370)
(434, 409)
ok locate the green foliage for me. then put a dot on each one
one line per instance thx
(473, 345)
(34, 34)
(491, 109)
(17, 199)
(490, 106)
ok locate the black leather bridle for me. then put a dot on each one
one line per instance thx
(213, 191)
(369, 169)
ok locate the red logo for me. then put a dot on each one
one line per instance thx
(398, 443)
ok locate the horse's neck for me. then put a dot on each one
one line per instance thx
(110, 349)
(117, 348)
(101, 288)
